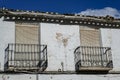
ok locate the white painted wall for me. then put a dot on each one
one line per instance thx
(79, 77)
(116, 49)
(61, 41)
(7, 32)
(59, 77)
(18, 77)
(106, 37)
(111, 38)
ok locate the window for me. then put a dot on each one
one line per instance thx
(26, 54)
(90, 55)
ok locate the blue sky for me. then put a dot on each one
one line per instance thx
(62, 6)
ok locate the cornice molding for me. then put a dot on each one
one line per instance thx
(50, 17)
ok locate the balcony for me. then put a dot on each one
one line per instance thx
(88, 58)
(25, 57)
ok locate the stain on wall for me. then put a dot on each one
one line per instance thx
(61, 38)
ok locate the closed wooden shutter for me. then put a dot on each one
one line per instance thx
(89, 36)
(27, 44)
(27, 33)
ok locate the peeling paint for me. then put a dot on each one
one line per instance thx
(62, 39)
(65, 41)
(58, 36)
(62, 65)
(3, 77)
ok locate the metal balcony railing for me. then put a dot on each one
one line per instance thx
(93, 58)
(25, 57)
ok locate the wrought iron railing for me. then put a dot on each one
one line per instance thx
(88, 57)
(28, 57)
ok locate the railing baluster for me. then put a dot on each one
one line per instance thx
(8, 54)
(100, 56)
(22, 46)
(87, 54)
(95, 55)
(82, 55)
(92, 56)
(104, 56)
(12, 55)
(25, 56)
(25, 60)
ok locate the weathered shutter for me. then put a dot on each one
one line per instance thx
(27, 33)
(27, 47)
(89, 37)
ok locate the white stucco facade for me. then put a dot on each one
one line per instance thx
(115, 48)
(59, 77)
(7, 35)
(61, 41)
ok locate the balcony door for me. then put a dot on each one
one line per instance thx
(27, 48)
(90, 55)
(90, 39)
